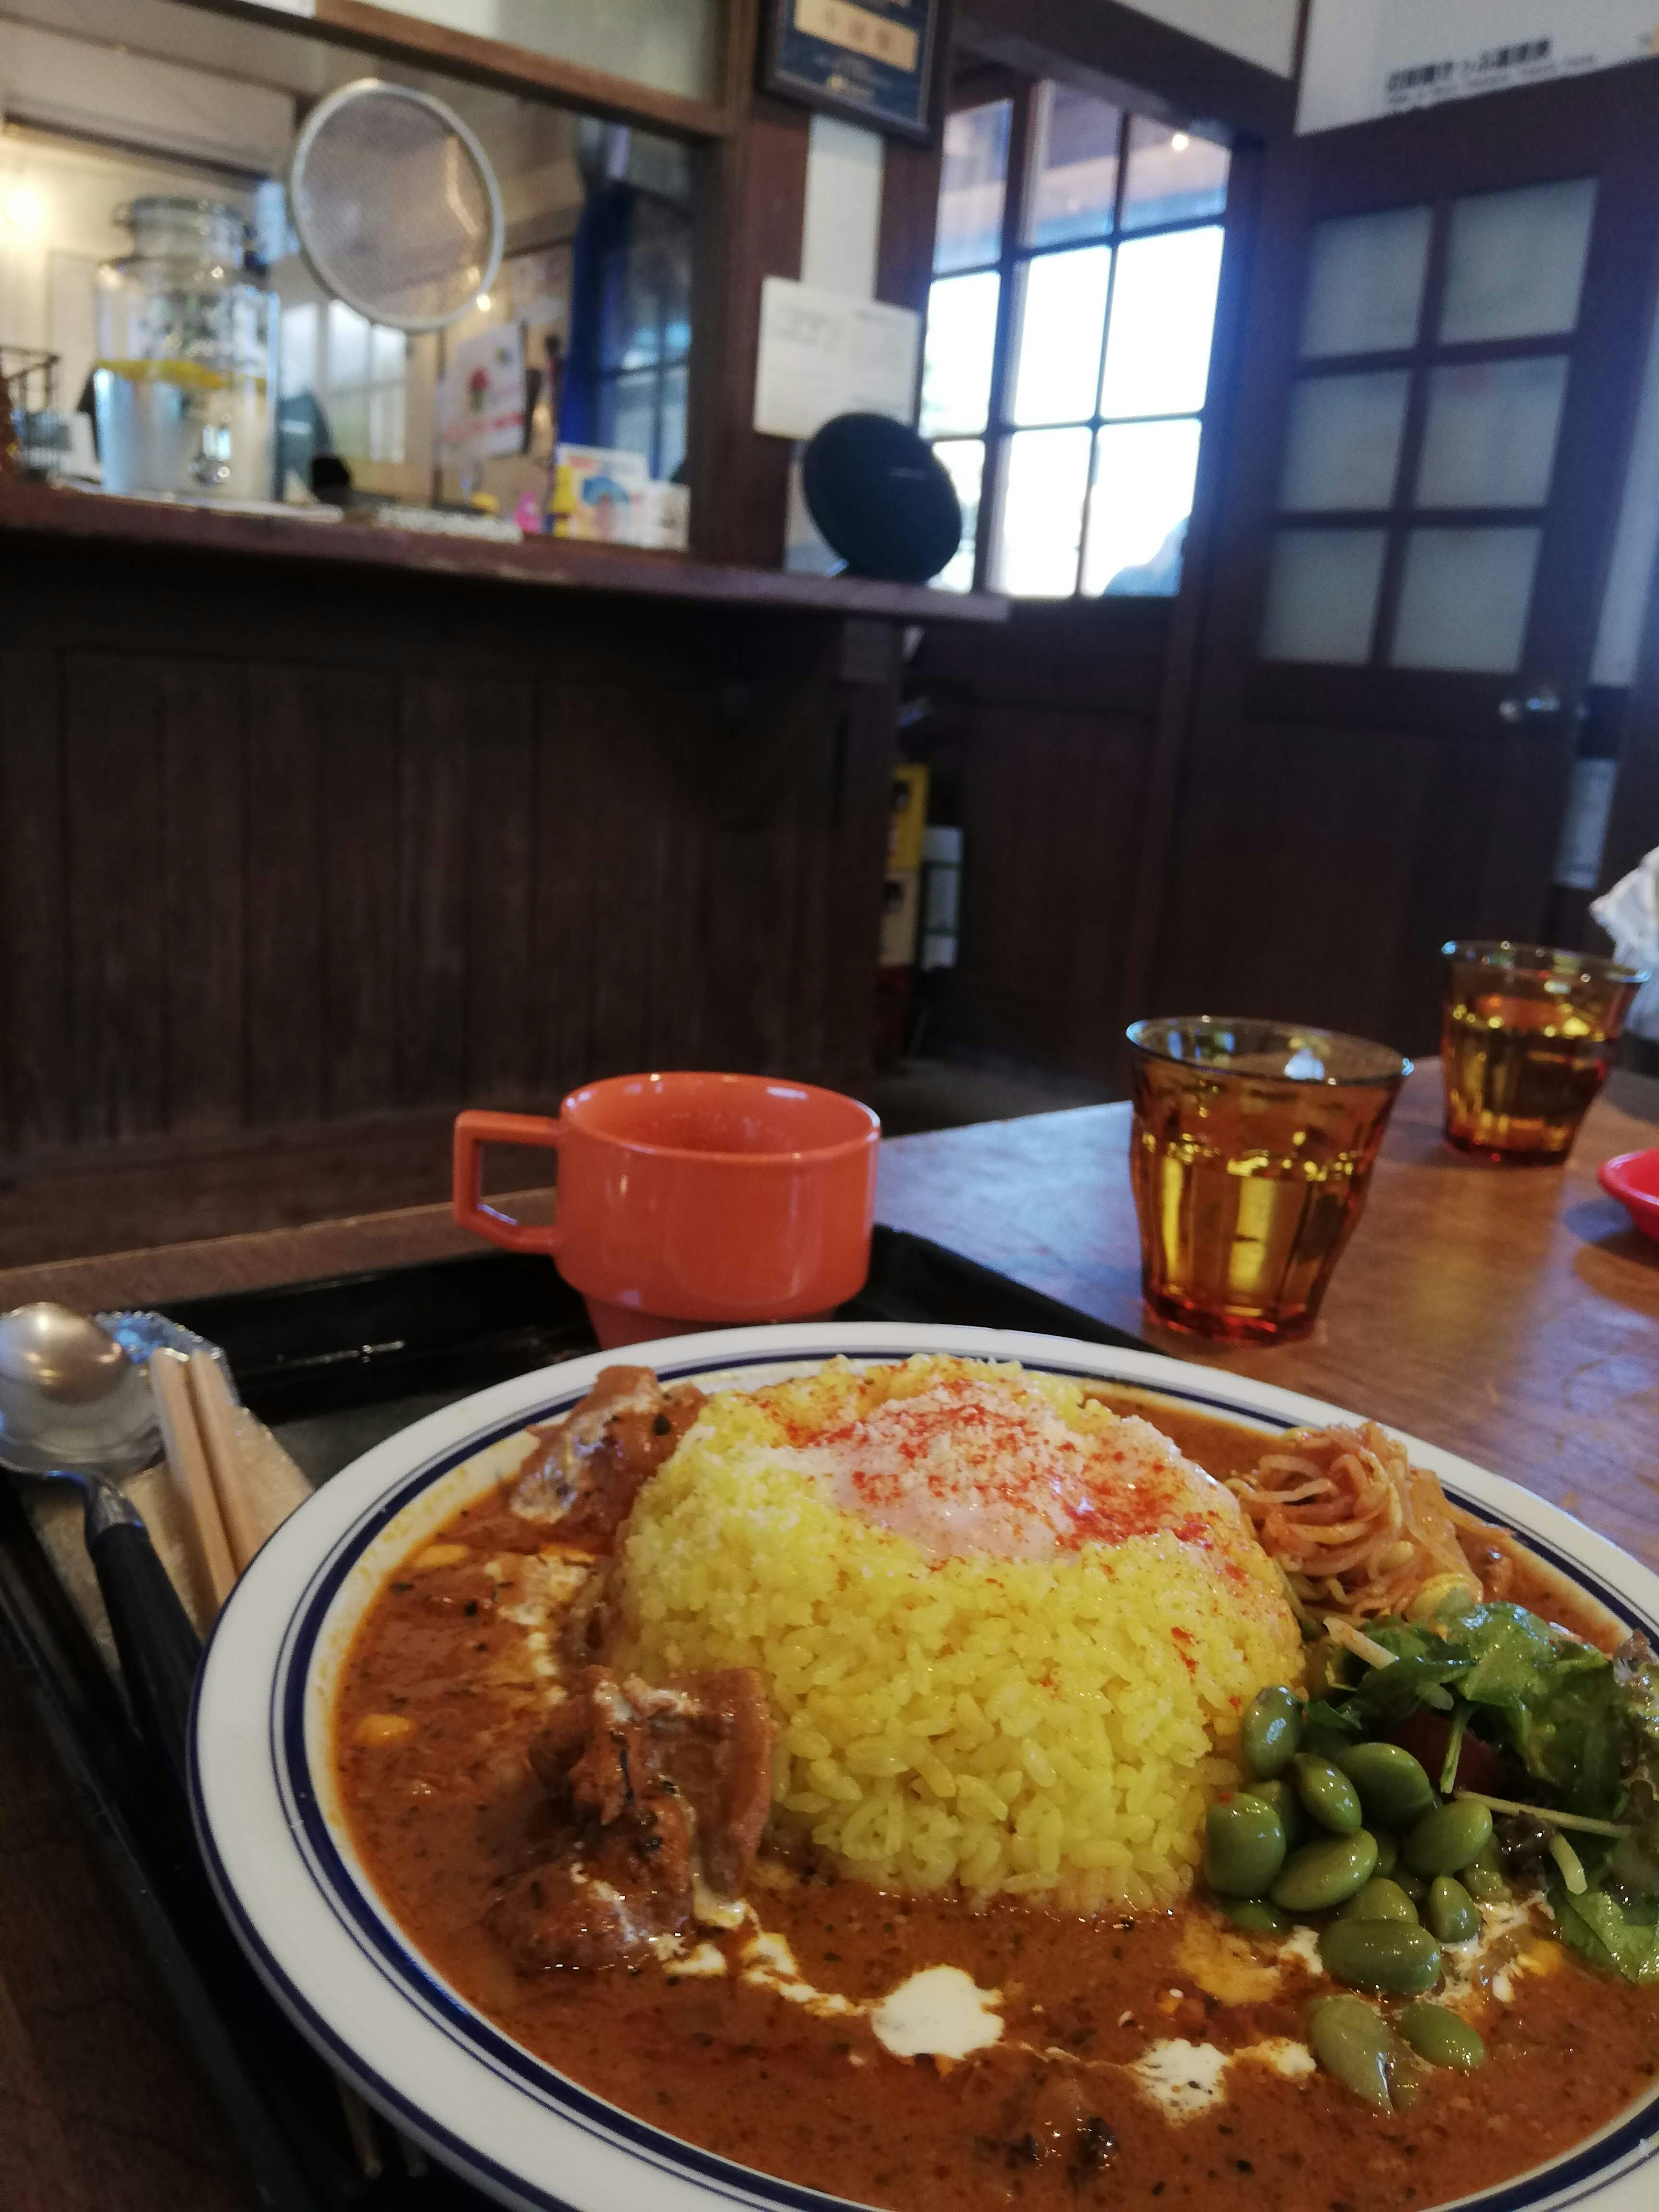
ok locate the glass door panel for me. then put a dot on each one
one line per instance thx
(1472, 424)
(1144, 477)
(1364, 283)
(1157, 351)
(1062, 314)
(1491, 435)
(1323, 586)
(973, 185)
(964, 459)
(1173, 176)
(1045, 476)
(1515, 264)
(960, 353)
(1464, 598)
(1073, 166)
(1343, 447)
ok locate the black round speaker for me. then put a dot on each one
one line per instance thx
(881, 498)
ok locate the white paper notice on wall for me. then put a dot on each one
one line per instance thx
(1368, 57)
(823, 356)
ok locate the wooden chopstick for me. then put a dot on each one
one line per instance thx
(188, 1463)
(216, 1417)
(198, 1429)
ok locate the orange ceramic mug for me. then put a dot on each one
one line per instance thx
(692, 1201)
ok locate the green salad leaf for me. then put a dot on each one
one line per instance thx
(1553, 1704)
(1610, 1931)
(1583, 1728)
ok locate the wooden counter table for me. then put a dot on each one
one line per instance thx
(1510, 1315)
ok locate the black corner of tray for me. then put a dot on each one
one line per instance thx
(303, 1352)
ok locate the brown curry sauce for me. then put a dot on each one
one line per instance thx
(440, 1811)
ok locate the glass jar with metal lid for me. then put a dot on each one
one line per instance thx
(183, 373)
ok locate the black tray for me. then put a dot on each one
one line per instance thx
(333, 1367)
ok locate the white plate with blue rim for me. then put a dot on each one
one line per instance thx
(282, 1859)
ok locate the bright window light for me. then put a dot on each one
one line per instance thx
(25, 209)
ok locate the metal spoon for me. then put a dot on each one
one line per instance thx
(75, 1409)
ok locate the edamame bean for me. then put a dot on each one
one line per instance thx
(1380, 1899)
(1442, 2038)
(1393, 1787)
(1380, 1954)
(1255, 1916)
(1413, 1884)
(1278, 1794)
(1326, 1794)
(1271, 1730)
(1324, 1874)
(1388, 1852)
(1324, 1742)
(1445, 1840)
(1483, 1877)
(1244, 1846)
(1452, 1912)
(1352, 2040)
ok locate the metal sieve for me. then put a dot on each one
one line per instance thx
(395, 205)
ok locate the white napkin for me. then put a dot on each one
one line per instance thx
(1630, 914)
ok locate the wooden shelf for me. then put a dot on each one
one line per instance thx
(152, 527)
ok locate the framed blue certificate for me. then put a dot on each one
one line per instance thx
(872, 61)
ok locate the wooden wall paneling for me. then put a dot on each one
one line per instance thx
(569, 727)
(112, 750)
(683, 735)
(1191, 608)
(1443, 898)
(626, 835)
(1525, 813)
(36, 1085)
(202, 861)
(815, 890)
(1336, 824)
(435, 718)
(997, 996)
(751, 207)
(500, 891)
(360, 910)
(910, 217)
(1053, 800)
(1099, 847)
(857, 865)
(287, 1019)
(1123, 54)
(517, 68)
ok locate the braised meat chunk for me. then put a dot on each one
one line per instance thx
(651, 1787)
(589, 1467)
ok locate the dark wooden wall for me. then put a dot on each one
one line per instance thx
(281, 848)
(1040, 739)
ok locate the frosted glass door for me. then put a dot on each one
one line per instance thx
(1422, 429)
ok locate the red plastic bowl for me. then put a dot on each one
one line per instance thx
(1633, 1180)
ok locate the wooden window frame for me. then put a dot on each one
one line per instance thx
(985, 87)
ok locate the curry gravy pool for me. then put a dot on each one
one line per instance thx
(803, 2027)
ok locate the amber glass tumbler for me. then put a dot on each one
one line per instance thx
(1251, 1154)
(1527, 1036)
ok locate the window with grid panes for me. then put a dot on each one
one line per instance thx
(1069, 321)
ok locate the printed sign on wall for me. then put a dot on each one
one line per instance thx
(869, 60)
(1369, 57)
(823, 356)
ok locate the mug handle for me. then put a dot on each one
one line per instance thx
(473, 1131)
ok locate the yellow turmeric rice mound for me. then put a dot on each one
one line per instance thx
(1008, 1634)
